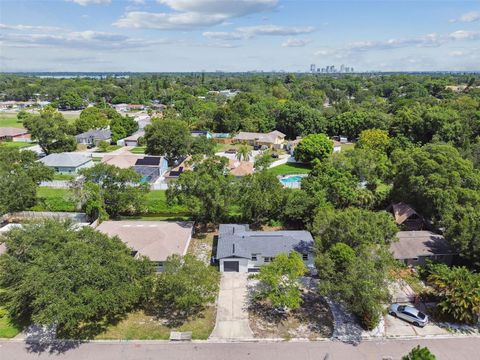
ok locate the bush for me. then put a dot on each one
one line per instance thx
(419, 353)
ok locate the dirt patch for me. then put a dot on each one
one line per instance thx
(313, 320)
(202, 246)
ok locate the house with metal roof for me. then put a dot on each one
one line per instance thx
(150, 167)
(67, 163)
(241, 250)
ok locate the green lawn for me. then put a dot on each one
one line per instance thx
(346, 147)
(9, 120)
(138, 150)
(16, 144)
(110, 148)
(7, 329)
(140, 326)
(50, 199)
(290, 168)
(59, 176)
(157, 205)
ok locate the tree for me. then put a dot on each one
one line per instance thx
(260, 197)
(118, 191)
(121, 126)
(71, 101)
(314, 146)
(52, 131)
(419, 353)
(103, 145)
(301, 207)
(20, 175)
(263, 161)
(374, 139)
(96, 280)
(201, 145)
(168, 137)
(94, 117)
(354, 227)
(356, 278)
(207, 191)
(279, 281)
(184, 287)
(352, 123)
(244, 152)
(459, 292)
(295, 119)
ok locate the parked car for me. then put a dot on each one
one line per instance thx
(408, 313)
(275, 155)
(231, 151)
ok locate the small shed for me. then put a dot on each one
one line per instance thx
(406, 216)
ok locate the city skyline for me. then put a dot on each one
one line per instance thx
(242, 35)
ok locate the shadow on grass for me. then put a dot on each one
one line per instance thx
(173, 317)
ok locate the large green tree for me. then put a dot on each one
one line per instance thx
(93, 118)
(314, 146)
(168, 137)
(20, 175)
(279, 281)
(207, 191)
(52, 131)
(185, 287)
(78, 280)
(107, 189)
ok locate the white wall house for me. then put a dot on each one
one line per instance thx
(242, 250)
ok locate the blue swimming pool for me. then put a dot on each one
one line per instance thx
(292, 181)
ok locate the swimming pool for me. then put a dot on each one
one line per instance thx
(292, 181)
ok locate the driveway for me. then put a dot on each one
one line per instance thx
(395, 327)
(232, 314)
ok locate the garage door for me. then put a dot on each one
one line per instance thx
(230, 266)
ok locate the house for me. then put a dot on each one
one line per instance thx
(415, 247)
(67, 163)
(131, 140)
(178, 169)
(135, 107)
(406, 216)
(143, 120)
(14, 134)
(156, 240)
(121, 107)
(150, 167)
(240, 168)
(241, 250)
(93, 137)
(273, 139)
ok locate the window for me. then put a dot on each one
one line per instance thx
(158, 265)
(267, 259)
(254, 257)
(305, 257)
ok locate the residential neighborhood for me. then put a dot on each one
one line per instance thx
(247, 179)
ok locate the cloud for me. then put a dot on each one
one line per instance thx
(85, 40)
(90, 2)
(29, 28)
(275, 30)
(223, 35)
(468, 17)
(429, 40)
(295, 42)
(464, 35)
(192, 14)
(138, 2)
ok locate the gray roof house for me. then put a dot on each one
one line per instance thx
(67, 163)
(93, 137)
(241, 250)
(415, 247)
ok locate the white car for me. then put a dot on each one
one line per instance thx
(408, 313)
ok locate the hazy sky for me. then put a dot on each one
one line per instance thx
(238, 35)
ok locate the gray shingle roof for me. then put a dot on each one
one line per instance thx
(412, 244)
(65, 160)
(236, 240)
(102, 134)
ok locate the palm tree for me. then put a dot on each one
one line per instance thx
(244, 152)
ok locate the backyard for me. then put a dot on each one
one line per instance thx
(16, 144)
(9, 120)
(290, 168)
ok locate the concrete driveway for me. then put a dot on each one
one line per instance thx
(232, 314)
(395, 327)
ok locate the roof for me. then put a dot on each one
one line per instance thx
(181, 167)
(135, 136)
(11, 131)
(269, 137)
(413, 244)
(155, 239)
(236, 240)
(402, 212)
(126, 161)
(65, 160)
(101, 134)
(240, 168)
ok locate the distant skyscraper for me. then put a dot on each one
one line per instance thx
(342, 68)
(312, 68)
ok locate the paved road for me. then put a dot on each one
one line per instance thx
(232, 316)
(444, 349)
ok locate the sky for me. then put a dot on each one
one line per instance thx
(238, 35)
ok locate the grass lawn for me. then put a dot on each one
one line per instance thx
(348, 146)
(50, 199)
(7, 329)
(157, 205)
(58, 176)
(140, 326)
(138, 150)
(9, 120)
(290, 168)
(110, 148)
(16, 144)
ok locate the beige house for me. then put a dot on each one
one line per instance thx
(274, 139)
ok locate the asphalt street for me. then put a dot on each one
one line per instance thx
(455, 349)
